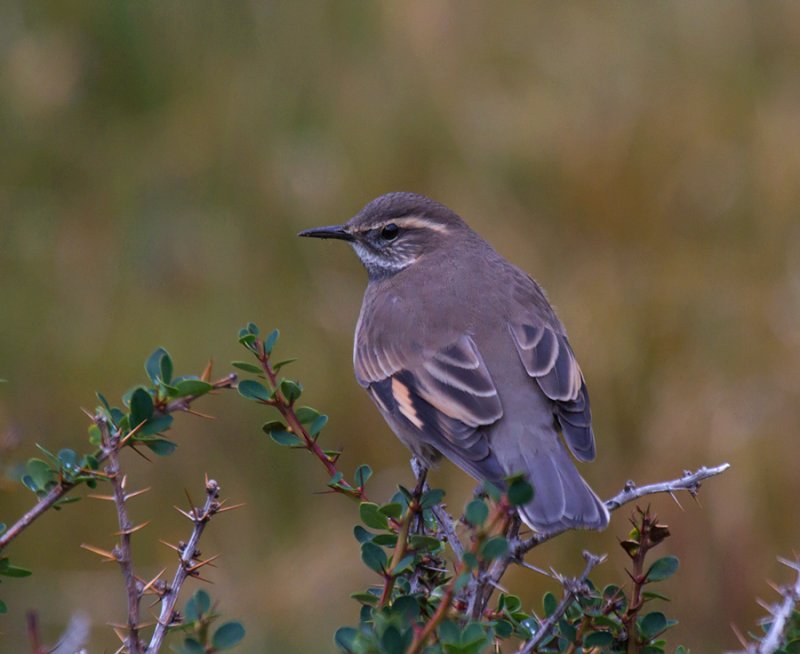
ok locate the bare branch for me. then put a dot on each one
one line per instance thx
(573, 588)
(689, 482)
(188, 566)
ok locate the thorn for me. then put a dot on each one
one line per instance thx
(133, 447)
(184, 513)
(197, 566)
(199, 578)
(740, 637)
(90, 415)
(767, 607)
(170, 545)
(141, 491)
(191, 503)
(121, 634)
(100, 552)
(529, 566)
(132, 530)
(206, 374)
(199, 414)
(231, 508)
(107, 498)
(676, 500)
(132, 433)
(794, 565)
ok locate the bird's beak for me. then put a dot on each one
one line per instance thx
(334, 231)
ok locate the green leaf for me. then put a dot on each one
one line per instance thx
(503, 628)
(195, 387)
(153, 366)
(392, 509)
(7, 569)
(39, 471)
(277, 366)
(161, 446)
(141, 406)
(345, 637)
(372, 517)
(247, 367)
(363, 473)
(306, 414)
(550, 604)
(362, 535)
(494, 548)
(601, 639)
(519, 492)
(510, 603)
(392, 641)
(650, 595)
(291, 390)
(3, 607)
(192, 646)
(228, 635)
(432, 498)
(364, 598)
(374, 557)
(2, 527)
(247, 340)
(253, 390)
(662, 569)
(166, 368)
(270, 341)
(286, 438)
(476, 512)
(317, 426)
(424, 543)
(652, 624)
(155, 425)
(197, 605)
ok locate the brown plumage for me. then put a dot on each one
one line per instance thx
(464, 357)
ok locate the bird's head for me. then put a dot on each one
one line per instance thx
(393, 231)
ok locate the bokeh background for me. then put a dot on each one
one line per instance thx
(158, 158)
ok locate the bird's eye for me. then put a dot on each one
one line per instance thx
(390, 232)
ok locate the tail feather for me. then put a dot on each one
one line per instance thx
(562, 499)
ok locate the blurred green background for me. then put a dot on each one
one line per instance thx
(640, 160)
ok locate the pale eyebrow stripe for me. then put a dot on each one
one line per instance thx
(419, 222)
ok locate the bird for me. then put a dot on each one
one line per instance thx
(465, 358)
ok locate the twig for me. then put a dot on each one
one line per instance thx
(572, 589)
(64, 486)
(286, 409)
(689, 482)
(122, 553)
(188, 554)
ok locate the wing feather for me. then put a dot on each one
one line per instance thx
(445, 398)
(548, 358)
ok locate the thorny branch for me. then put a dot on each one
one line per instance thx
(122, 553)
(779, 615)
(189, 565)
(481, 592)
(573, 588)
(64, 486)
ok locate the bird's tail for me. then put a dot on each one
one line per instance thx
(562, 499)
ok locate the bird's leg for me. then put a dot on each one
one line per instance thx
(421, 473)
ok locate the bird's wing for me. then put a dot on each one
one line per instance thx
(444, 397)
(548, 358)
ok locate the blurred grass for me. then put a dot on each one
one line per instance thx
(640, 160)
